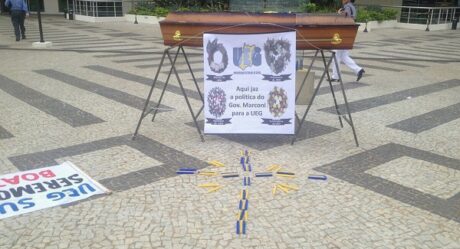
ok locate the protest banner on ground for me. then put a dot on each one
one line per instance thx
(33, 190)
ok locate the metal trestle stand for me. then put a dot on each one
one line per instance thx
(147, 110)
(327, 63)
(179, 50)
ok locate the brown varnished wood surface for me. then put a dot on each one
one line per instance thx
(316, 29)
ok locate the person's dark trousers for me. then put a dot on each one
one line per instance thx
(21, 25)
(17, 18)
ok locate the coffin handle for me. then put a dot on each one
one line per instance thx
(336, 40)
(177, 36)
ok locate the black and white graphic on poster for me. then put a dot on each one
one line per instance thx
(247, 56)
(217, 103)
(277, 104)
(278, 57)
(217, 56)
(259, 97)
(277, 54)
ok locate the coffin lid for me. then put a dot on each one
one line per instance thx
(236, 18)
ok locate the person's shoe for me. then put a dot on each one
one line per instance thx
(334, 80)
(17, 39)
(23, 37)
(360, 74)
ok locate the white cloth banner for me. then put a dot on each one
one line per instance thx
(32, 190)
(249, 83)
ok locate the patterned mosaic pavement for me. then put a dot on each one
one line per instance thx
(81, 99)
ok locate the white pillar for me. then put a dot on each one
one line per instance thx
(51, 6)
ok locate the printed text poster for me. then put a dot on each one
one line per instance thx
(250, 83)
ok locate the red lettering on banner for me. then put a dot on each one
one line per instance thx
(47, 173)
(27, 177)
(14, 180)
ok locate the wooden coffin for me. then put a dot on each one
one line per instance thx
(313, 31)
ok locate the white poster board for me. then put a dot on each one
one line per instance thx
(33, 190)
(249, 83)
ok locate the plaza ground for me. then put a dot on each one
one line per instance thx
(81, 99)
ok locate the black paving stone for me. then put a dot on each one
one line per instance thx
(352, 169)
(265, 142)
(348, 86)
(428, 120)
(172, 160)
(427, 52)
(396, 63)
(113, 94)
(424, 55)
(144, 80)
(122, 34)
(4, 134)
(122, 54)
(395, 55)
(54, 107)
(102, 46)
(369, 103)
(139, 60)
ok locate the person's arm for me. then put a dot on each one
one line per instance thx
(25, 8)
(347, 11)
(340, 11)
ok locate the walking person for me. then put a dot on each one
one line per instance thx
(343, 55)
(18, 10)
